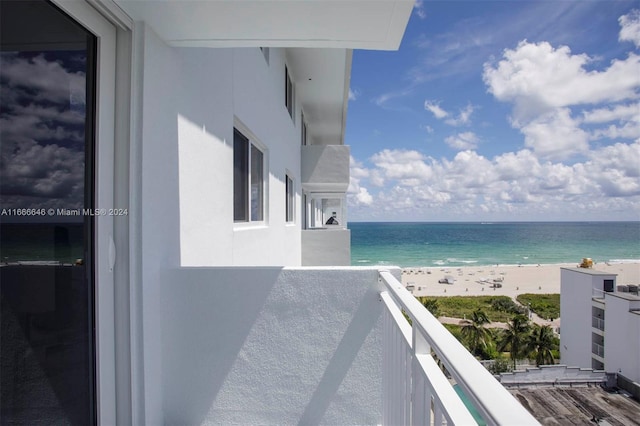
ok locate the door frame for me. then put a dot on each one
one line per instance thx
(105, 27)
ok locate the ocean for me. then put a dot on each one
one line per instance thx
(417, 244)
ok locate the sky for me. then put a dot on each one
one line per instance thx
(500, 111)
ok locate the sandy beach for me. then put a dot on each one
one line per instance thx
(477, 280)
(514, 280)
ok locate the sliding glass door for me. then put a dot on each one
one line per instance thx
(47, 193)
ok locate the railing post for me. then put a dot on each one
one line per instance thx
(396, 364)
(420, 394)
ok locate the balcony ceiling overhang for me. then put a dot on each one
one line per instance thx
(349, 24)
(322, 86)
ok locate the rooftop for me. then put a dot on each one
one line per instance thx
(590, 271)
(578, 405)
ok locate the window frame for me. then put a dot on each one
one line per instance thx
(304, 131)
(108, 104)
(253, 146)
(290, 199)
(289, 93)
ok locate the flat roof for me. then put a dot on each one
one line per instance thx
(623, 295)
(578, 405)
(590, 271)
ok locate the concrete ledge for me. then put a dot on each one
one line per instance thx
(325, 168)
(326, 247)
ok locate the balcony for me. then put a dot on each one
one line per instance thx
(325, 168)
(597, 323)
(326, 247)
(326, 241)
(597, 349)
(267, 345)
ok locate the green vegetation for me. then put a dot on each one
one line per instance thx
(476, 335)
(497, 308)
(514, 338)
(546, 306)
(541, 344)
(500, 365)
(521, 339)
(454, 329)
(432, 305)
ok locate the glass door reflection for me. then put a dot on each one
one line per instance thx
(47, 71)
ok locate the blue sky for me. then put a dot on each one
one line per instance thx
(509, 110)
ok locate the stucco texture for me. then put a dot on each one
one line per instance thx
(271, 346)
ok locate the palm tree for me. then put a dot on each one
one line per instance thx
(431, 305)
(514, 337)
(540, 344)
(473, 331)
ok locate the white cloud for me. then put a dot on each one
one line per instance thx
(418, 8)
(618, 112)
(511, 185)
(516, 165)
(363, 197)
(353, 94)
(555, 135)
(630, 27)
(383, 99)
(402, 164)
(49, 79)
(357, 168)
(435, 109)
(463, 118)
(376, 178)
(537, 78)
(629, 130)
(546, 84)
(42, 152)
(46, 175)
(427, 129)
(463, 141)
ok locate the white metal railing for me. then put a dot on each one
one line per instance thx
(415, 390)
(597, 323)
(597, 349)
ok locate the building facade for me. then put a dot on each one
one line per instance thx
(153, 137)
(168, 170)
(600, 323)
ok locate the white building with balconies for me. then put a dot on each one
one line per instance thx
(600, 323)
(216, 130)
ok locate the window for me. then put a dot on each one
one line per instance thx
(248, 180)
(288, 88)
(608, 286)
(290, 199)
(303, 125)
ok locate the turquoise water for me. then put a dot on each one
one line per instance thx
(466, 244)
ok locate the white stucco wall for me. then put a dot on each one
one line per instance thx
(193, 97)
(326, 247)
(325, 168)
(271, 346)
(622, 336)
(575, 312)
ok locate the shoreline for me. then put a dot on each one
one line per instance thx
(516, 279)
